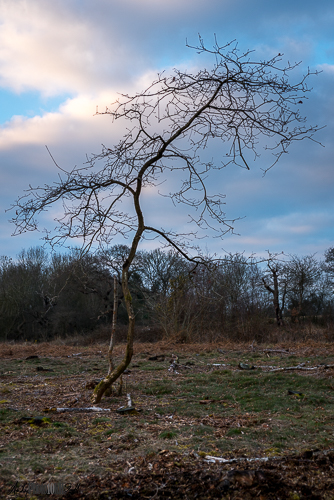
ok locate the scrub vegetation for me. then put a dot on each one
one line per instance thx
(44, 296)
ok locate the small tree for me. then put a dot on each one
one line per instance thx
(172, 122)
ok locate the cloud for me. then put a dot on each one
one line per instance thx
(90, 50)
(74, 122)
(327, 68)
(46, 49)
(57, 47)
(297, 232)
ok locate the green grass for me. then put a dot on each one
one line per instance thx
(256, 391)
(168, 434)
(202, 430)
(100, 420)
(109, 432)
(221, 411)
(160, 387)
(285, 422)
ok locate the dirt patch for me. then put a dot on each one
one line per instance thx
(169, 475)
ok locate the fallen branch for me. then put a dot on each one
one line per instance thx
(93, 408)
(282, 351)
(210, 459)
(302, 367)
(270, 368)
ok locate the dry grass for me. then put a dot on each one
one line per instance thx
(205, 409)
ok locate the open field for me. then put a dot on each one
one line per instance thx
(212, 407)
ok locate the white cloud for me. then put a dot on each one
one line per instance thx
(50, 47)
(41, 46)
(74, 122)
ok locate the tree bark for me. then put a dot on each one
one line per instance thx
(275, 292)
(107, 382)
(113, 328)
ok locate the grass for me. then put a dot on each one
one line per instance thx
(168, 434)
(221, 411)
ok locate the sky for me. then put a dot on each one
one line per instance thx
(59, 60)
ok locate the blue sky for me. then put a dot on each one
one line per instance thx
(59, 60)
(28, 104)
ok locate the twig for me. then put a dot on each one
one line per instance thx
(93, 408)
(298, 367)
(283, 351)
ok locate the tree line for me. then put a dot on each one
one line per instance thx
(43, 295)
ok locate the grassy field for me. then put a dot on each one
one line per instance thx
(213, 406)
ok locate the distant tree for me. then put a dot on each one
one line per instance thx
(275, 282)
(9, 303)
(170, 124)
(237, 287)
(159, 270)
(42, 296)
(303, 278)
(24, 293)
(159, 267)
(328, 265)
(112, 258)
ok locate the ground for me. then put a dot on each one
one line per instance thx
(234, 421)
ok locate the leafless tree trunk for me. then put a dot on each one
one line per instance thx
(117, 372)
(113, 328)
(275, 292)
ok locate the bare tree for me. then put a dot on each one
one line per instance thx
(328, 265)
(275, 281)
(237, 102)
(303, 276)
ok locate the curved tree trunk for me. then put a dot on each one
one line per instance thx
(107, 382)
